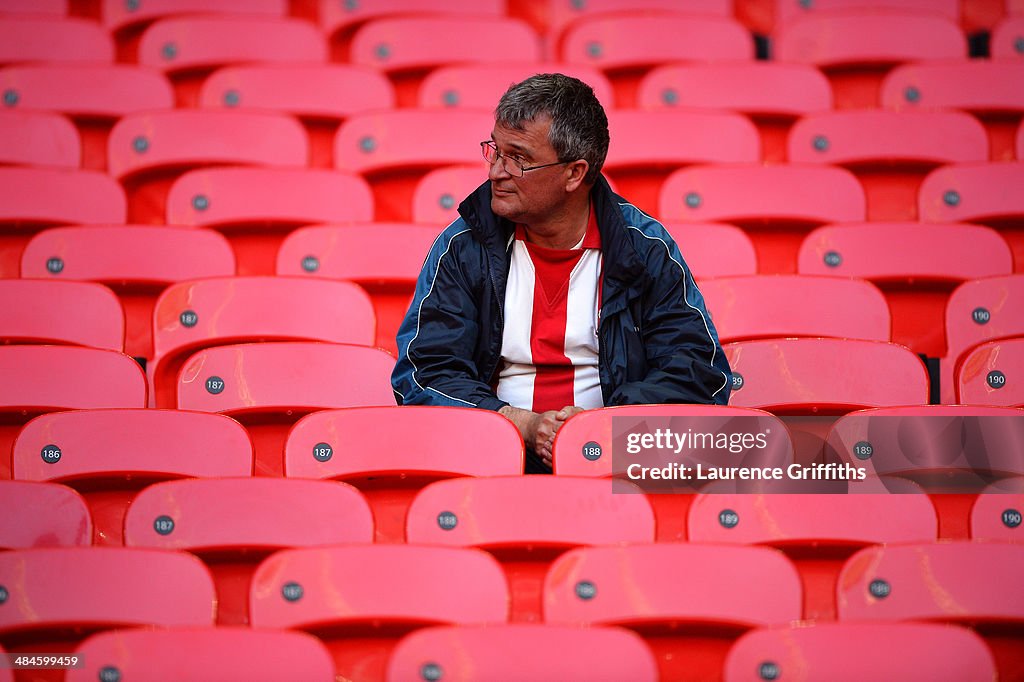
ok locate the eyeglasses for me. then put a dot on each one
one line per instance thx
(516, 168)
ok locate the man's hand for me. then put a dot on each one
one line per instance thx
(538, 430)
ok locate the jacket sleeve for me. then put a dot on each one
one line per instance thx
(438, 337)
(685, 362)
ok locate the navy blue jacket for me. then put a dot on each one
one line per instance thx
(656, 342)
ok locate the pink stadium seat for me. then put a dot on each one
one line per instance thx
(390, 150)
(204, 313)
(439, 192)
(39, 379)
(867, 651)
(588, 442)
(408, 48)
(824, 376)
(172, 654)
(136, 261)
(269, 386)
(56, 596)
(647, 146)
(6, 675)
(959, 582)
(1020, 142)
(533, 651)
(817, 531)
(1008, 38)
(233, 523)
(980, 310)
(788, 11)
(890, 152)
(990, 374)
(27, 204)
(625, 46)
(996, 514)
(770, 306)
(390, 453)
(688, 601)
(772, 94)
(109, 455)
(980, 193)
(480, 86)
(43, 515)
(147, 152)
(563, 512)
(383, 258)
(255, 208)
(916, 265)
(54, 8)
(28, 39)
(856, 49)
(714, 249)
(981, 87)
(75, 313)
(38, 138)
(188, 48)
(776, 205)
(369, 595)
(320, 95)
(94, 96)
(121, 17)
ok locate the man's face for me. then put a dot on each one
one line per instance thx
(539, 193)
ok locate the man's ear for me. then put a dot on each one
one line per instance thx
(575, 173)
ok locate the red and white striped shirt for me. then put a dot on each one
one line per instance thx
(549, 343)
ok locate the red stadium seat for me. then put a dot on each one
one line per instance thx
(916, 265)
(269, 386)
(390, 453)
(93, 96)
(817, 531)
(439, 192)
(772, 94)
(43, 515)
(480, 86)
(996, 514)
(776, 205)
(890, 152)
(588, 442)
(7, 674)
(188, 48)
(856, 49)
(27, 204)
(233, 523)
(787, 11)
(38, 138)
(375, 594)
(109, 455)
(771, 306)
(980, 310)
(120, 17)
(689, 601)
(320, 95)
(136, 261)
(535, 652)
(959, 582)
(218, 311)
(383, 258)
(1020, 142)
(63, 594)
(202, 653)
(647, 146)
(28, 39)
(563, 512)
(408, 48)
(990, 374)
(983, 88)
(256, 207)
(147, 152)
(865, 651)
(824, 376)
(1008, 38)
(714, 249)
(625, 46)
(54, 8)
(980, 193)
(390, 150)
(75, 313)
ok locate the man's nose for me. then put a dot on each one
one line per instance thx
(497, 170)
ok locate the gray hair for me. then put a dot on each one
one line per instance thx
(579, 126)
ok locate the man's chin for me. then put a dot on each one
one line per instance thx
(500, 206)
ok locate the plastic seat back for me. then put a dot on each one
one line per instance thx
(996, 514)
(27, 39)
(480, 86)
(714, 249)
(39, 138)
(990, 374)
(43, 515)
(75, 313)
(1006, 38)
(439, 193)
